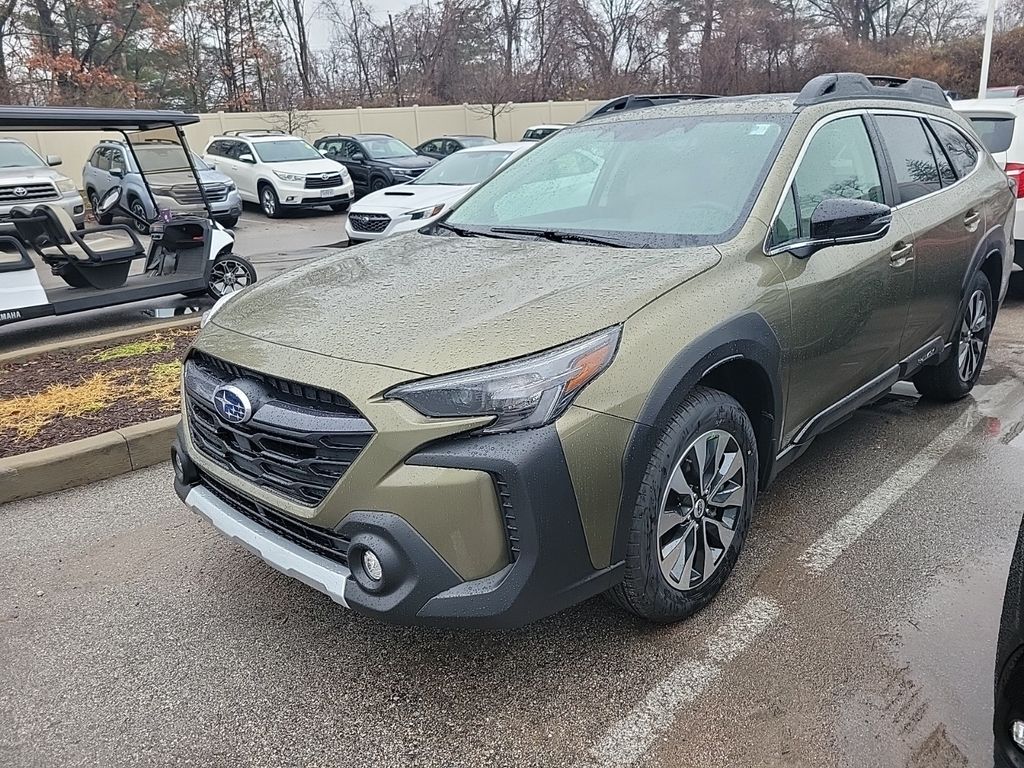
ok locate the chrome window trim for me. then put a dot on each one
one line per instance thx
(783, 247)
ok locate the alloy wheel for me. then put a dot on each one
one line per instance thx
(700, 509)
(139, 210)
(228, 276)
(269, 204)
(973, 332)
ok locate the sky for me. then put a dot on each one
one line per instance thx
(320, 33)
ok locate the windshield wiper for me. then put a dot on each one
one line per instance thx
(561, 236)
(465, 232)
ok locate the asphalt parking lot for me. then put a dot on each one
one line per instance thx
(272, 245)
(858, 629)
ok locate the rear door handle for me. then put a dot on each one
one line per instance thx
(901, 253)
(971, 220)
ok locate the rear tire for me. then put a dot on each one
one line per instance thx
(955, 377)
(688, 525)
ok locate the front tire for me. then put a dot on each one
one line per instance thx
(228, 222)
(269, 202)
(378, 184)
(339, 207)
(1017, 285)
(138, 209)
(955, 377)
(693, 510)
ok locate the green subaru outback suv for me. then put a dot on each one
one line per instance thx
(579, 379)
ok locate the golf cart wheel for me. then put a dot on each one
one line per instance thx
(94, 203)
(269, 202)
(229, 273)
(138, 209)
(228, 222)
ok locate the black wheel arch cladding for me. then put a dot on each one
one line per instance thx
(747, 337)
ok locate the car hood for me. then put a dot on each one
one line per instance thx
(29, 174)
(323, 165)
(173, 178)
(409, 197)
(413, 161)
(432, 304)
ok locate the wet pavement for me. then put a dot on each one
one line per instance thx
(857, 630)
(272, 245)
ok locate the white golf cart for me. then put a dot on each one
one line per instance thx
(189, 253)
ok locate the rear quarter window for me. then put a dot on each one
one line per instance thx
(995, 133)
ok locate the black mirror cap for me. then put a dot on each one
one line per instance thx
(842, 219)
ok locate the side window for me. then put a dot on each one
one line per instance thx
(839, 162)
(216, 148)
(431, 146)
(103, 159)
(946, 174)
(451, 146)
(787, 226)
(913, 162)
(959, 149)
(117, 160)
(350, 149)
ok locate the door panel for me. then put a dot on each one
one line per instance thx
(849, 301)
(947, 225)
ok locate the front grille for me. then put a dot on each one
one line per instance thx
(319, 182)
(369, 222)
(414, 172)
(299, 442)
(24, 193)
(509, 516)
(322, 541)
(188, 194)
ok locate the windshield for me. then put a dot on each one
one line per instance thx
(14, 154)
(387, 147)
(660, 182)
(286, 151)
(463, 168)
(995, 133)
(166, 157)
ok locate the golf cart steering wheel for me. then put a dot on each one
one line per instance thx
(109, 201)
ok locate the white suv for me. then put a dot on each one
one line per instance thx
(996, 123)
(279, 171)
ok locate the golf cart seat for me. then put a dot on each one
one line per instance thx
(98, 257)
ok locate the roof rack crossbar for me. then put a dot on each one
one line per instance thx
(255, 132)
(837, 86)
(641, 101)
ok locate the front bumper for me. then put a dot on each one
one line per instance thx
(297, 196)
(71, 202)
(549, 566)
(398, 225)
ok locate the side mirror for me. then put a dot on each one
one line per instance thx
(358, 157)
(324, 153)
(52, 160)
(245, 157)
(840, 220)
(118, 172)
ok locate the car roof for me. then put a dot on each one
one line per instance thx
(547, 125)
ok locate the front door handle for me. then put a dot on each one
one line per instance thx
(901, 253)
(971, 220)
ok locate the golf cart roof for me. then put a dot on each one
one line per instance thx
(86, 118)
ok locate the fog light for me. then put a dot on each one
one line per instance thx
(372, 566)
(1017, 732)
(179, 468)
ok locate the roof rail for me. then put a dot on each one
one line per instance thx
(255, 132)
(838, 86)
(641, 101)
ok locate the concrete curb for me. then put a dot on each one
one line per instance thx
(102, 338)
(87, 460)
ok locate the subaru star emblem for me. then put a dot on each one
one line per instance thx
(232, 404)
(20, 191)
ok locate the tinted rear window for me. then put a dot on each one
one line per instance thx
(995, 132)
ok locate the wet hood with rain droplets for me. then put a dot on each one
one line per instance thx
(433, 304)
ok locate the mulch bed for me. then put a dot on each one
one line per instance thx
(69, 394)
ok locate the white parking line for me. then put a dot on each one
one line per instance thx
(845, 531)
(632, 736)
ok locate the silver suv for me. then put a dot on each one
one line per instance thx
(28, 179)
(169, 177)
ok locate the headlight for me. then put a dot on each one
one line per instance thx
(66, 185)
(217, 306)
(400, 171)
(229, 186)
(424, 213)
(520, 394)
(289, 176)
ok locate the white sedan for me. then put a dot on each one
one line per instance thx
(405, 207)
